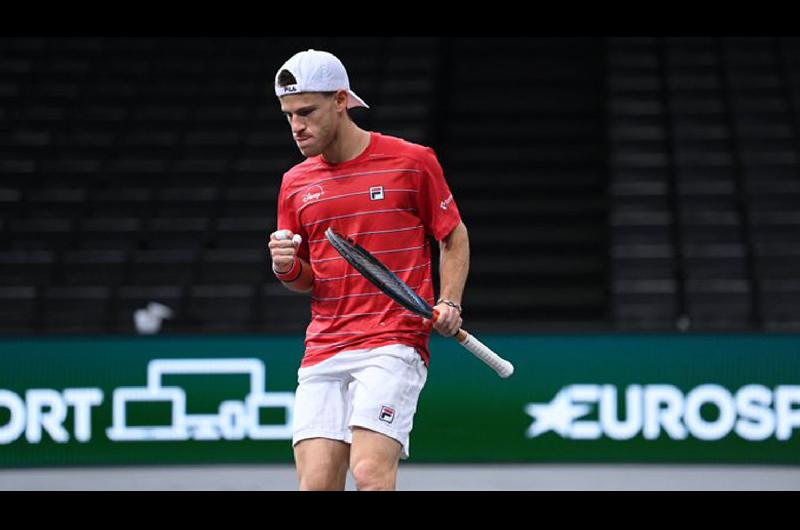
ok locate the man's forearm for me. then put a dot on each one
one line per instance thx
(300, 280)
(454, 264)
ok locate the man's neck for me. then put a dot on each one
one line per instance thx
(351, 142)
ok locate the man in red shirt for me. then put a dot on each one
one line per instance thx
(366, 356)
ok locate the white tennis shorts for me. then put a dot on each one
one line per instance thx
(376, 389)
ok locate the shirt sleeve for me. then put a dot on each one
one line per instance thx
(289, 220)
(437, 207)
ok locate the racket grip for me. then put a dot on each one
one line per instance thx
(503, 368)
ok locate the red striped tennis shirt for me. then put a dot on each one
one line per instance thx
(389, 199)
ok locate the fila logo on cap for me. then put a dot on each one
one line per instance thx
(290, 88)
(376, 193)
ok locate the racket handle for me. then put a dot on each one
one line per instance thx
(503, 368)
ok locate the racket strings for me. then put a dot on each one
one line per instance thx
(376, 272)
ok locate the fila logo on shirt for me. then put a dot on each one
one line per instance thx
(387, 414)
(376, 193)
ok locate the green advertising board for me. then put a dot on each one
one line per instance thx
(572, 398)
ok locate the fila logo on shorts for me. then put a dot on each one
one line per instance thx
(387, 414)
(376, 193)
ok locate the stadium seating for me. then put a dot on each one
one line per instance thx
(644, 184)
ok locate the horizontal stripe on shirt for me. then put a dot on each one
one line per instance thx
(394, 231)
(346, 195)
(359, 214)
(360, 174)
(377, 252)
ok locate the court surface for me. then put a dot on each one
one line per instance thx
(416, 477)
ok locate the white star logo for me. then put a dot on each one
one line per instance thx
(557, 415)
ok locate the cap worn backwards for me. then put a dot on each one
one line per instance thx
(317, 71)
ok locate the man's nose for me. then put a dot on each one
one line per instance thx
(297, 124)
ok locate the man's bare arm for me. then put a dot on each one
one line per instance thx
(453, 271)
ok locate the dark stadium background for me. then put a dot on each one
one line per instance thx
(609, 184)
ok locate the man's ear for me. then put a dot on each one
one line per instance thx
(341, 100)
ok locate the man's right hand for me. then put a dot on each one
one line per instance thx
(283, 245)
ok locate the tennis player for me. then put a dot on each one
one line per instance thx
(366, 357)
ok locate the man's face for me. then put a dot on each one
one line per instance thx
(313, 118)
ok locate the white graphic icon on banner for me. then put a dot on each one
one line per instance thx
(235, 419)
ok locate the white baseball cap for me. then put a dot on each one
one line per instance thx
(317, 71)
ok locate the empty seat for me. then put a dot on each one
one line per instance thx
(543, 301)
(636, 226)
(228, 115)
(84, 309)
(187, 201)
(262, 166)
(163, 267)
(250, 201)
(110, 91)
(189, 166)
(121, 202)
(203, 171)
(10, 203)
(282, 310)
(40, 234)
(160, 115)
(652, 302)
(139, 166)
(643, 261)
(212, 138)
(777, 260)
(710, 226)
(86, 140)
(18, 305)
(92, 267)
(58, 202)
(244, 265)
(71, 171)
(151, 140)
(106, 114)
(137, 172)
(719, 304)
(780, 300)
(129, 68)
(112, 233)
(177, 232)
(564, 267)
(44, 116)
(715, 261)
(26, 267)
(22, 141)
(229, 307)
(244, 232)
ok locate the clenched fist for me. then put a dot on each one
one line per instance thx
(283, 246)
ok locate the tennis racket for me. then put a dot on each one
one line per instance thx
(376, 272)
